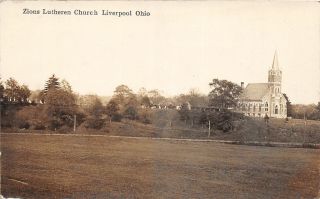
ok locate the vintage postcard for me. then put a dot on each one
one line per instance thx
(160, 99)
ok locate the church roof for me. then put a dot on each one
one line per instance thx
(255, 91)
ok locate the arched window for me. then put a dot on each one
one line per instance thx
(266, 106)
(260, 107)
(276, 109)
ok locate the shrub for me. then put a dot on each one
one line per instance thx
(24, 125)
(221, 120)
(64, 129)
(94, 123)
(38, 126)
(32, 117)
(184, 112)
(116, 117)
(144, 116)
(131, 113)
(55, 123)
(203, 118)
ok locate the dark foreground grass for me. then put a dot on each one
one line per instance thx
(42, 166)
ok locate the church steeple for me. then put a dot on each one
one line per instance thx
(275, 76)
(275, 64)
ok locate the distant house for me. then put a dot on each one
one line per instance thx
(260, 99)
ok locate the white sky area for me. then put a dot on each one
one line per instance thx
(182, 45)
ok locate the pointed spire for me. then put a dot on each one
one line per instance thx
(275, 65)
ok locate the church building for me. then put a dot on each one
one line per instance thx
(260, 99)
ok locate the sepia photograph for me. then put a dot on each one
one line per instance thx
(160, 99)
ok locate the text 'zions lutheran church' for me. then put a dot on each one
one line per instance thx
(260, 99)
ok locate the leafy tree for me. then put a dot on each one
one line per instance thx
(289, 106)
(35, 96)
(184, 112)
(131, 101)
(34, 117)
(194, 98)
(12, 90)
(142, 92)
(122, 93)
(126, 100)
(60, 107)
(96, 108)
(95, 111)
(112, 110)
(316, 114)
(1, 91)
(41, 96)
(301, 111)
(221, 120)
(2, 100)
(318, 107)
(203, 118)
(145, 101)
(225, 94)
(131, 113)
(145, 116)
(143, 97)
(92, 105)
(155, 97)
(23, 94)
(65, 85)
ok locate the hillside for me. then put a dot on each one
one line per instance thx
(167, 123)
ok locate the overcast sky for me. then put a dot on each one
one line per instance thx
(182, 45)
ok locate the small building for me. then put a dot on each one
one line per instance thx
(260, 99)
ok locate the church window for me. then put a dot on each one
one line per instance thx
(259, 107)
(266, 106)
(276, 109)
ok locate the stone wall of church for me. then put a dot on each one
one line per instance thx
(276, 108)
(253, 108)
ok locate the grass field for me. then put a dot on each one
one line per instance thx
(42, 166)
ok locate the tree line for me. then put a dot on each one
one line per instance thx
(216, 114)
(57, 106)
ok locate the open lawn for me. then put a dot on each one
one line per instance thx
(59, 166)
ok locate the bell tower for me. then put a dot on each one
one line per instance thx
(274, 77)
